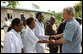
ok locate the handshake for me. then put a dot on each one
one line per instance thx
(51, 40)
(53, 37)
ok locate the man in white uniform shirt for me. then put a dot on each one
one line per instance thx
(40, 33)
(12, 41)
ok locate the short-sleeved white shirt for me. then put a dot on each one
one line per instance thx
(30, 40)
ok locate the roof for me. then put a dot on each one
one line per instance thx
(34, 10)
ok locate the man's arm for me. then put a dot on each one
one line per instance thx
(57, 42)
(60, 41)
(47, 41)
(57, 36)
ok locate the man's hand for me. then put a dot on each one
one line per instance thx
(51, 41)
(54, 37)
(57, 36)
(43, 41)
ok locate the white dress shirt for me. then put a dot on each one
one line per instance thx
(12, 42)
(40, 33)
(30, 40)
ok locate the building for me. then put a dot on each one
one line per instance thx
(11, 13)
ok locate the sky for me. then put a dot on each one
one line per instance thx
(56, 6)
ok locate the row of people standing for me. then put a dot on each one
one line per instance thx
(13, 42)
(35, 35)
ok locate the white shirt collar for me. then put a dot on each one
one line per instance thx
(39, 23)
(30, 29)
(15, 32)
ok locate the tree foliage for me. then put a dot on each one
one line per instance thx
(11, 4)
(78, 9)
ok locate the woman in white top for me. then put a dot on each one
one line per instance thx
(12, 41)
(30, 38)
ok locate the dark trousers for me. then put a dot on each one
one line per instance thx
(53, 48)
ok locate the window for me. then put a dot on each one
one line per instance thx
(9, 15)
(22, 15)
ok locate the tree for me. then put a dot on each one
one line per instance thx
(78, 9)
(11, 4)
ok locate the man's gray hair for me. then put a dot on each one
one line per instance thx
(70, 10)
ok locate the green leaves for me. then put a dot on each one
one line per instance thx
(11, 4)
(78, 10)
